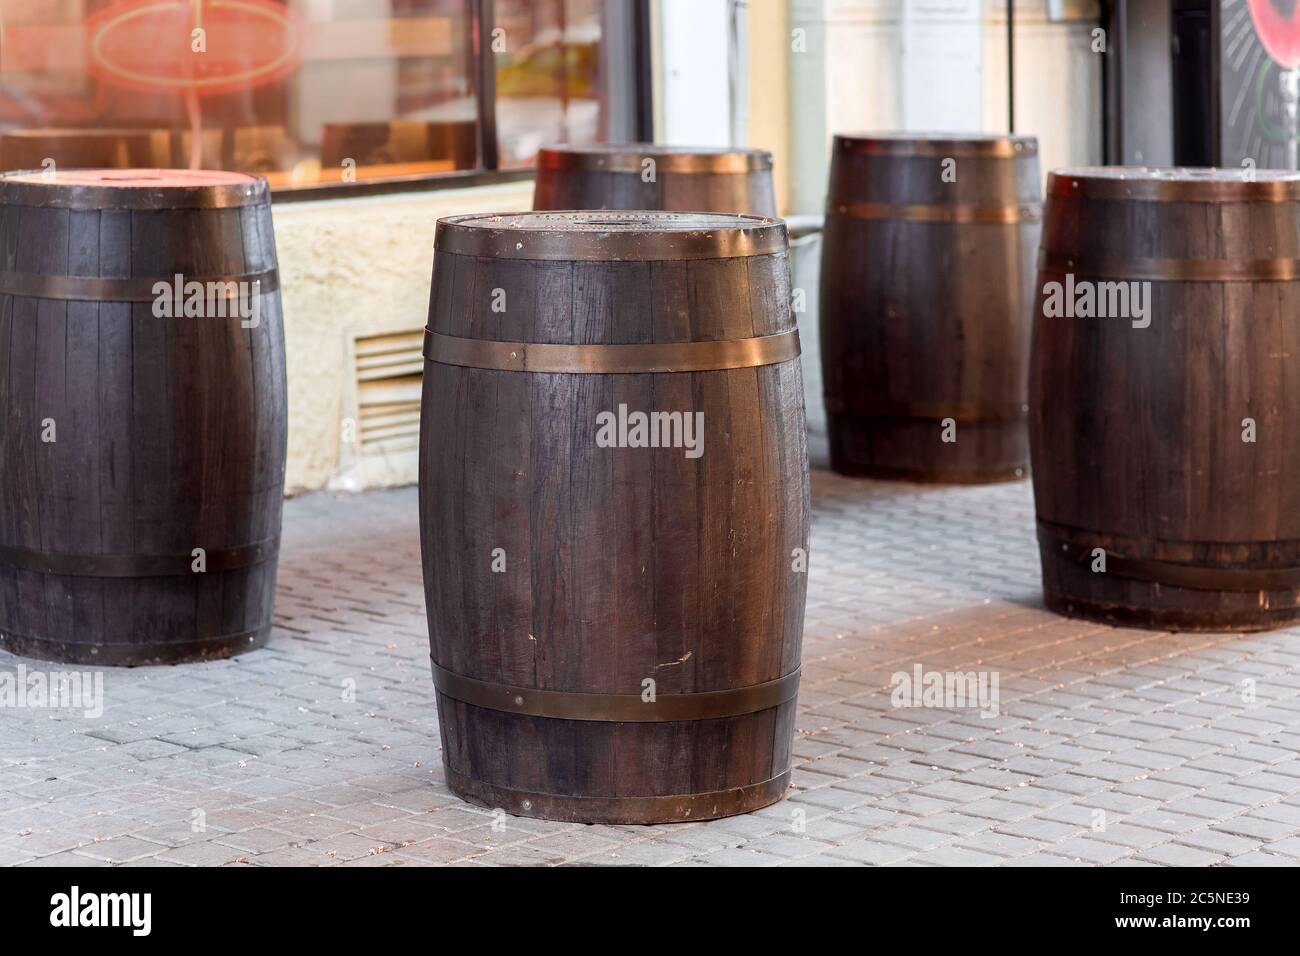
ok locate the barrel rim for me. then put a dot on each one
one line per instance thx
(699, 235)
(17, 189)
(1174, 184)
(629, 157)
(958, 145)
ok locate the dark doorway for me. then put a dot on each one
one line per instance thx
(1194, 52)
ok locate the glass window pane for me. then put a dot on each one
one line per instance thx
(560, 68)
(302, 91)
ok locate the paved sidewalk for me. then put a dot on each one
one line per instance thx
(1111, 746)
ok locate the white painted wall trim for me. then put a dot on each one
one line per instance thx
(694, 39)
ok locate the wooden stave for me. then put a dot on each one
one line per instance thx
(738, 181)
(473, 737)
(1233, 220)
(886, 193)
(589, 760)
(228, 610)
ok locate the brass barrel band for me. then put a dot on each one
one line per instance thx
(993, 147)
(1171, 270)
(1114, 184)
(962, 411)
(137, 565)
(939, 212)
(107, 289)
(621, 708)
(658, 807)
(611, 359)
(632, 160)
(1168, 573)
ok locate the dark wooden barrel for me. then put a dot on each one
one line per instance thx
(615, 631)
(926, 296)
(645, 176)
(1168, 444)
(141, 457)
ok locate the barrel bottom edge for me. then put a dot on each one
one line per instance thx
(911, 450)
(924, 477)
(1176, 620)
(678, 808)
(134, 655)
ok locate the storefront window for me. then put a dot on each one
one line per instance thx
(304, 92)
(549, 77)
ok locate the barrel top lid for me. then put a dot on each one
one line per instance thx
(610, 235)
(966, 145)
(631, 157)
(132, 189)
(1175, 184)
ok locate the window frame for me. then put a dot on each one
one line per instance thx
(634, 44)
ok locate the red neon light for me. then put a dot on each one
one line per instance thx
(1278, 31)
(151, 45)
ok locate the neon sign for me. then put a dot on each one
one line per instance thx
(193, 46)
(1278, 30)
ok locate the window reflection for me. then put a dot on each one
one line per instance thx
(549, 76)
(304, 92)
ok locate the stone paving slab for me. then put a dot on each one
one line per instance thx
(1106, 746)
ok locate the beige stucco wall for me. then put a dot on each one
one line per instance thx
(768, 93)
(353, 267)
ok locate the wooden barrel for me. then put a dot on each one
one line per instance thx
(1165, 398)
(615, 627)
(645, 176)
(926, 292)
(141, 456)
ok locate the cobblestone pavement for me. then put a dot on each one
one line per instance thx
(1111, 746)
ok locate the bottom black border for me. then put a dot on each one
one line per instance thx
(261, 906)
